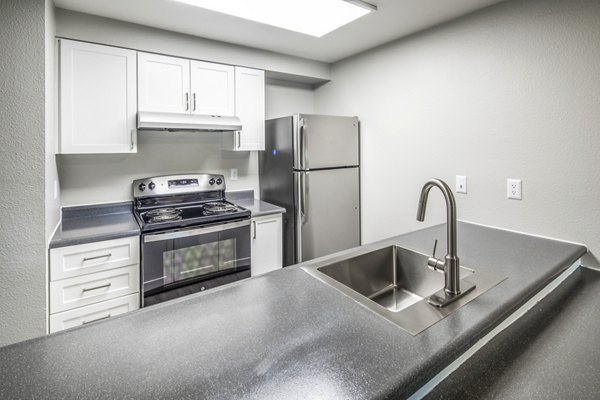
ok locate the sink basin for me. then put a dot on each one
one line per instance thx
(393, 277)
(395, 282)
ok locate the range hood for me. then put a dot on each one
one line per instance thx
(157, 121)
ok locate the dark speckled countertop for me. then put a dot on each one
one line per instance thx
(552, 352)
(259, 208)
(281, 335)
(85, 224)
(93, 223)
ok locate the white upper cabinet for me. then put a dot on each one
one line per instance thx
(97, 99)
(213, 89)
(163, 83)
(250, 109)
(178, 85)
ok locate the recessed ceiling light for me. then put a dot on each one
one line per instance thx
(311, 17)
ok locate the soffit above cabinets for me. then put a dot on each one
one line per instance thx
(392, 20)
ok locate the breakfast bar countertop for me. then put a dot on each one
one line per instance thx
(283, 334)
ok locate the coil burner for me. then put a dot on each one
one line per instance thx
(218, 207)
(163, 215)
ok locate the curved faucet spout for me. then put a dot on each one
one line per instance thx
(450, 211)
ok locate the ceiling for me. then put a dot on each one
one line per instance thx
(394, 19)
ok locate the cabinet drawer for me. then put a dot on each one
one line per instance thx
(70, 261)
(80, 291)
(94, 312)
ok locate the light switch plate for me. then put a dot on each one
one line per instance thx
(461, 184)
(514, 189)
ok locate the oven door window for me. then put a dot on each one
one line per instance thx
(191, 258)
(234, 249)
(196, 257)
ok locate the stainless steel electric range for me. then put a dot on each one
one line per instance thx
(192, 238)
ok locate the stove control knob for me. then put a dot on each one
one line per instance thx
(142, 186)
(212, 181)
(151, 186)
(219, 181)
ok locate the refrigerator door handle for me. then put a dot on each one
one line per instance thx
(302, 148)
(303, 201)
(299, 217)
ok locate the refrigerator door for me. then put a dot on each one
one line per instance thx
(276, 180)
(324, 141)
(328, 212)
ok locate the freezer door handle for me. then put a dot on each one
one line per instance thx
(303, 201)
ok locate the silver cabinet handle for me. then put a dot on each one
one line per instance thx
(131, 139)
(187, 101)
(84, 322)
(254, 225)
(239, 139)
(97, 257)
(194, 96)
(85, 289)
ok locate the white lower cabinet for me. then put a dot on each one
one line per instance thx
(92, 313)
(70, 293)
(93, 281)
(266, 249)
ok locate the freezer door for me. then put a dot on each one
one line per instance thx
(328, 212)
(324, 141)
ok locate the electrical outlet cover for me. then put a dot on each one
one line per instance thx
(461, 184)
(514, 189)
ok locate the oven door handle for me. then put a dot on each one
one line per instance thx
(194, 232)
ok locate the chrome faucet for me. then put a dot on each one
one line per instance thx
(451, 263)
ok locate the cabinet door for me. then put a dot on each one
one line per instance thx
(97, 99)
(250, 108)
(163, 83)
(266, 244)
(212, 89)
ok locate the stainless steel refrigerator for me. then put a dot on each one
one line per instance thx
(310, 167)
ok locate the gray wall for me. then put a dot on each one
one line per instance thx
(89, 178)
(22, 162)
(512, 91)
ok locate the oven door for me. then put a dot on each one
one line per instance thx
(175, 258)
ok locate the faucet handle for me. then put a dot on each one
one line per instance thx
(435, 263)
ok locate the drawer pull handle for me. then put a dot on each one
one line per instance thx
(97, 257)
(85, 289)
(94, 320)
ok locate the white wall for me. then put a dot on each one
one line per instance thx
(284, 98)
(22, 162)
(511, 91)
(102, 178)
(51, 175)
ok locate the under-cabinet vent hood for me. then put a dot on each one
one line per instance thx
(157, 121)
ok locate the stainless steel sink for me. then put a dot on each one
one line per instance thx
(395, 282)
